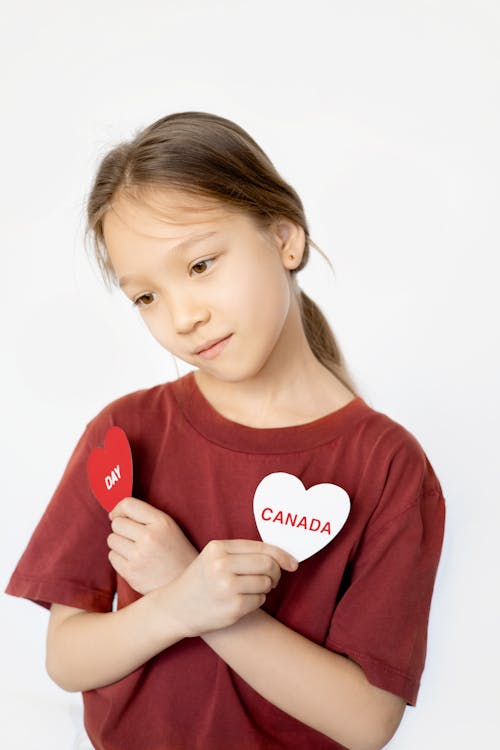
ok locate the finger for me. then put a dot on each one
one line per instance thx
(243, 546)
(254, 584)
(122, 546)
(118, 562)
(254, 564)
(136, 509)
(250, 602)
(124, 507)
(127, 528)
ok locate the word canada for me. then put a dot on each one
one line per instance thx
(290, 519)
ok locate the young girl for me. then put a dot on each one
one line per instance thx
(218, 640)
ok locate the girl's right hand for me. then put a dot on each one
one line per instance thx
(227, 580)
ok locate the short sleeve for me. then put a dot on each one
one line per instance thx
(66, 559)
(381, 619)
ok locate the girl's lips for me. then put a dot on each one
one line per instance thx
(215, 349)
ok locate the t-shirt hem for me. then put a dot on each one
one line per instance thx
(44, 593)
(381, 675)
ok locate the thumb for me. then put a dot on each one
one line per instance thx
(128, 506)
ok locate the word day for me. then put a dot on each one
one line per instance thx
(290, 519)
(111, 479)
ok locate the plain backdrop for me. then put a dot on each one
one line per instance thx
(385, 118)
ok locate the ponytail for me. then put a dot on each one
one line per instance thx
(323, 342)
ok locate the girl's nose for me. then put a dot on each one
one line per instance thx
(186, 312)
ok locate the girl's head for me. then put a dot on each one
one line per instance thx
(191, 174)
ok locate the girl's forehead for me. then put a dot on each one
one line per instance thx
(164, 214)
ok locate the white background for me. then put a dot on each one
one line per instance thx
(385, 118)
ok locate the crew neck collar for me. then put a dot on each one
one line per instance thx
(236, 436)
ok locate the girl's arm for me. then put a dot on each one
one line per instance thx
(87, 650)
(226, 581)
(324, 690)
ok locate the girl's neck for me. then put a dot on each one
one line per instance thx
(293, 387)
(317, 393)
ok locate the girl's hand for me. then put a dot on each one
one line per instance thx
(227, 580)
(148, 548)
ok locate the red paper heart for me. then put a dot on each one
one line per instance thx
(109, 469)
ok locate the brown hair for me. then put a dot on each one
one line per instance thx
(205, 155)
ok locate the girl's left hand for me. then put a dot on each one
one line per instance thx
(148, 548)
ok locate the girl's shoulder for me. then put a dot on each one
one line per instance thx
(151, 404)
(385, 446)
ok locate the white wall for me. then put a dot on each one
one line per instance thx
(385, 118)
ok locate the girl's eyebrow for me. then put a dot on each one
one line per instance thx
(125, 280)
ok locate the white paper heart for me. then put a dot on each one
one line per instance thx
(299, 521)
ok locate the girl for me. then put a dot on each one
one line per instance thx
(218, 640)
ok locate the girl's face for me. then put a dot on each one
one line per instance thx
(232, 281)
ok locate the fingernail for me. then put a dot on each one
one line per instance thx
(294, 563)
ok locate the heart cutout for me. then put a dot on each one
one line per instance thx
(299, 521)
(109, 469)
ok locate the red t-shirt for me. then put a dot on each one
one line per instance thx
(366, 594)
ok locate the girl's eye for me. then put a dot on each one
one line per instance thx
(138, 301)
(201, 263)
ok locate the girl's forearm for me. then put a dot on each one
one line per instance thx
(324, 690)
(94, 649)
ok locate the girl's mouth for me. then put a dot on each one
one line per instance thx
(214, 350)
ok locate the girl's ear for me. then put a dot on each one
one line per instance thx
(290, 238)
